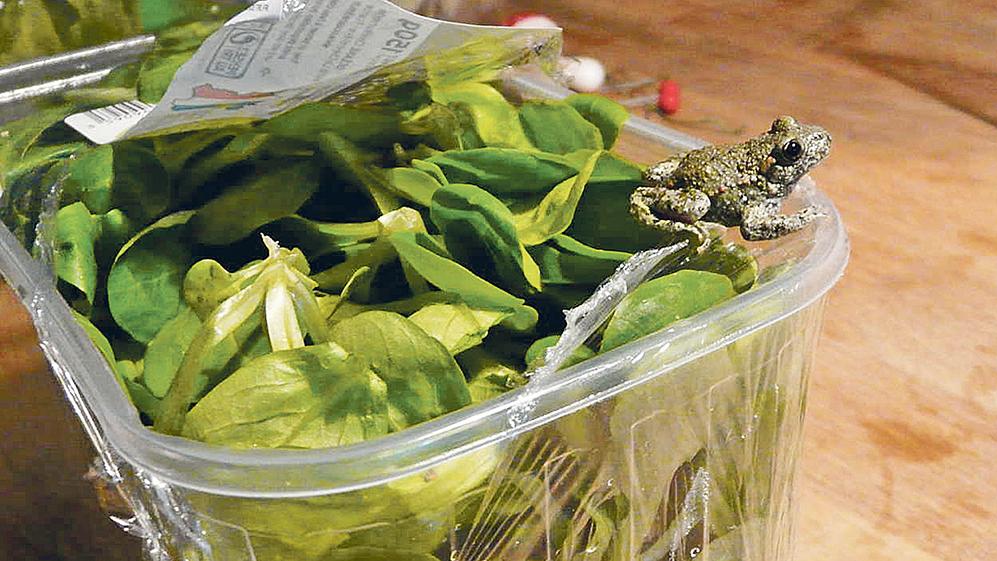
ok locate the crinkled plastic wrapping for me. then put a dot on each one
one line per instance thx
(680, 446)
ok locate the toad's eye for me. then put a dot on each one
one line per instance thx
(792, 150)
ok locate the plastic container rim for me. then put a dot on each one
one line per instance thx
(423, 446)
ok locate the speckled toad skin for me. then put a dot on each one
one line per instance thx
(701, 191)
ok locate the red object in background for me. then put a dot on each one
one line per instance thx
(669, 97)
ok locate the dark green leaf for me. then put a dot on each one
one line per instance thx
(429, 260)
(114, 230)
(376, 554)
(607, 115)
(480, 233)
(354, 165)
(188, 36)
(143, 287)
(143, 399)
(89, 178)
(660, 302)
(311, 397)
(423, 380)
(126, 372)
(28, 198)
(505, 172)
(430, 168)
(141, 186)
(98, 338)
(83, 99)
(441, 126)
(18, 136)
(360, 125)
(207, 284)
(75, 234)
(166, 350)
(240, 148)
(373, 256)
(177, 150)
(260, 199)
(566, 261)
(602, 218)
(35, 158)
(409, 96)
(555, 126)
(729, 259)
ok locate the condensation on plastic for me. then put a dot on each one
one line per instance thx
(681, 445)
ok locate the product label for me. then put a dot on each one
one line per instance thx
(279, 54)
(107, 124)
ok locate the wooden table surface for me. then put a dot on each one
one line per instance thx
(900, 458)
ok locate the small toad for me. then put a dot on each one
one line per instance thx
(702, 191)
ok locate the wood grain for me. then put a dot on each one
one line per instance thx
(899, 460)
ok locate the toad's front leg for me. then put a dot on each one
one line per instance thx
(672, 211)
(763, 221)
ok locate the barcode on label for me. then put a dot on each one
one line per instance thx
(106, 124)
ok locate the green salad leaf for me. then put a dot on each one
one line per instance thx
(423, 380)
(274, 294)
(413, 184)
(458, 326)
(729, 259)
(568, 262)
(309, 397)
(427, 258)
(663, 301)
(76, 233)
(480, 232)
(535, 354)
(538, 221)
(507, 173)
(260, 199)
(489, 375)
(555, 126)
(365, 126)
(125, 176)
(143, 286)
(607, 115)
(353, 165)
(494, 119)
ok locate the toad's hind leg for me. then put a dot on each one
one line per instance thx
(763, 221)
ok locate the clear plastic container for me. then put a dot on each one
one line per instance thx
(681, 445)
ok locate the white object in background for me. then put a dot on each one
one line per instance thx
(583, 74)
(532, 20)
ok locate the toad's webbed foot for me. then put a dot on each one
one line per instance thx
(763, 221)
